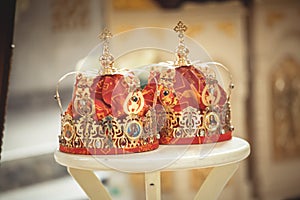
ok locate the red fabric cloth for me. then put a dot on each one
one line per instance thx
(188, 85)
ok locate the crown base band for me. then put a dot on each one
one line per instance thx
(167, 140)
(109, 151)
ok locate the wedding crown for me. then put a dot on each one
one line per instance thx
(109, 112)
(183, 102)
(196, 108)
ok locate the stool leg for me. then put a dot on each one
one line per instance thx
(90, 183)
(152, 184)
(216, 181)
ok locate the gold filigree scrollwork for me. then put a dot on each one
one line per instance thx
(134, 102)
(171, 124)
(190, 121)
(111, 126)
(211, 94)
(149, 126)
(86, 128)
(83, 104)
(68, 131)
(225, 118)
(160, 118)
(113, 132)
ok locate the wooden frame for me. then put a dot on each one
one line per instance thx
(7, 15)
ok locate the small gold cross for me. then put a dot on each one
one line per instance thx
(106, 34)
(106, 59)
(181, 51)
(180, 28)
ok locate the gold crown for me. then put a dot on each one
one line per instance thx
(109, 113)
(196, 109)
(182, 103)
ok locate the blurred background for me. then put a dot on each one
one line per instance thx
(259, 41)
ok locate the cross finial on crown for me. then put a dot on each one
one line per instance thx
(181, 51)
(180, 28)
(106, 34)
(106, 59)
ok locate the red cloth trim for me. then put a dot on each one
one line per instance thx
(112, 151)
(196, 140)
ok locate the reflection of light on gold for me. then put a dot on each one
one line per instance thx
(194, 30)
(273, 18)
(133, 4)
(228, 28)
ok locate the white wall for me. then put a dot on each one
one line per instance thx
(42, 53)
